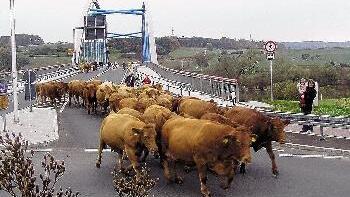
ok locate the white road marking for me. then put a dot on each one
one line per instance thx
(96, 150)
(64, 106)
(311, 156)
(317, 147)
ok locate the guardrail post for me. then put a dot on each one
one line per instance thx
(4, 120)
(321, 132)
(181, 90)
(168, 86)
(189, 90)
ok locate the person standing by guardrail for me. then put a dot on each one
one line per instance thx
(306, 107)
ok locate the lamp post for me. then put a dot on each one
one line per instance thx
(14, 68)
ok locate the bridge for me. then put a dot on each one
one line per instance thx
(309, 164)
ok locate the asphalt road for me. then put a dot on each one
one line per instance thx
(299, 176)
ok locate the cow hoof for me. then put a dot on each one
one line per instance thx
(98, 165)
(242, 170)
(206, 193)
(179, 180)
(275, 173)
(187, 169)
(224, 186)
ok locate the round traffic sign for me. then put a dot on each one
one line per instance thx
(270, 46)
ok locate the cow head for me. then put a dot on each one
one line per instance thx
(225, 169)
(276, 130)
(238, 144)
(148, 136)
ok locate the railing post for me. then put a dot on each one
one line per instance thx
(4, 120)
(321, 132)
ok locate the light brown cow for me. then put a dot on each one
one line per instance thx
(75, 90)
(103, 93)
(197, 108)
(267, 129)
(128, 102)
(123, 132)
(207, 144)
(4, 102)
(131, 112)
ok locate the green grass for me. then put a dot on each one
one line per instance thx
(185, 52)
(47, 61)
(333, 107)
(337, 55)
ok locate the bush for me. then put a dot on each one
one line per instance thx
(285, 91)
(17, 173)
(128, 186)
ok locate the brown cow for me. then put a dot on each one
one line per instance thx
(157, 115)
(207, 144)
(267, 129)
(220, 119)
(128, 102)
(197, 108)
(131, 112)
(75, 90)
(123, 132)
(89, 95)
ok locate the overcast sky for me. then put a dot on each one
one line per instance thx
(279, 20)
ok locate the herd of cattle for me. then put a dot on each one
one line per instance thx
(149, 119)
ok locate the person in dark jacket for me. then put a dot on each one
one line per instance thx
(306, 107)
(130, 80)
(146, 80)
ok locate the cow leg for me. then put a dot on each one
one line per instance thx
(272, 157)
(131, 152)
(242, 168)
(202, 171)
(120, 161)
(168, 173)
(99, 156)
(69, 100)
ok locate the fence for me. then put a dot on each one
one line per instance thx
(224, 88)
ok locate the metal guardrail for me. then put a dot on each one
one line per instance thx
(186, 89)
(55, 75)
(44, 68)
(340, 122)
(206, 84)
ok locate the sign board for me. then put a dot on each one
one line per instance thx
(29, 87)
(29, 92)
(3, 87)
(270, 46)
(270, 56)
(29, 76)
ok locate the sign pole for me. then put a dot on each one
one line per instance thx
(270, 48)
(14, 68)
(30, 91)
(271, 77)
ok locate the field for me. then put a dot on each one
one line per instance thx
(333, 107)
(46, 61)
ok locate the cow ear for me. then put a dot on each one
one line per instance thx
(228, 140)
(136, 131)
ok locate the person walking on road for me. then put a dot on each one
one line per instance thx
(146, 80)
(130, 80)
(306, 107)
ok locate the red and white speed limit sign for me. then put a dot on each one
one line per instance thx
(270, 46)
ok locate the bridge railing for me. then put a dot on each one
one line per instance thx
(224, 88)
(187, 82)
(339, 122)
